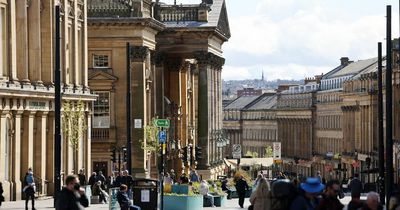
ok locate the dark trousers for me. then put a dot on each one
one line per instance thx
(27, 197)
(241, 198)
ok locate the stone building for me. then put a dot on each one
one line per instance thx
(176, 74)
(295, 117)
(27, 91)
(251, 122)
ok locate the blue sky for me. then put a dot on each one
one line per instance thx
(293, 39)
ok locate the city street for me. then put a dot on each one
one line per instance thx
(47, 203)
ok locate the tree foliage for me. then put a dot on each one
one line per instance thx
(150, 134)
(73, 121)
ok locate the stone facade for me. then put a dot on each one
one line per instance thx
(27, 91)
(176, 74)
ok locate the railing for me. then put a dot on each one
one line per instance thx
(100, 134)
(41, 186)
(178, 13)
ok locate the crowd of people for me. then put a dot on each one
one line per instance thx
(313, 193)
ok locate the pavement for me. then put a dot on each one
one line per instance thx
(47, 203)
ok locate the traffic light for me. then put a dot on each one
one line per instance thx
(185, 155)
(113, 157)
(198, 155)
(125, 156)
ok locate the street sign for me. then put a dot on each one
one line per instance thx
(138, 123)
(276, 146)
(237, 151)
(162, 137)
(162, 123)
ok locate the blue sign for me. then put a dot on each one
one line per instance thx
(162, 137)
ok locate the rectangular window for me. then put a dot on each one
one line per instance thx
(100, 61)
(101, 110)
(3, 42)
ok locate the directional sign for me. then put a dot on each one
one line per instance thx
(277, 150)
(162, 123)
(162, 136)
(237, 151)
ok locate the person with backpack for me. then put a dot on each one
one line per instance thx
(29, 188)
(260, 199)
(308, 196)
(241, 187)
(330, 199)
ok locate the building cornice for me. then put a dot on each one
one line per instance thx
(135, 21)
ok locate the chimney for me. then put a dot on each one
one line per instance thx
(344, 61)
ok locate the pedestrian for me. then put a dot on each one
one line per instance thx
(241, 187)
(183, 179)
(372, 202)
(72, 196)
(260, 199)
(281, 175)
(204, 189)
(102, 178)
(256, 182)
(330, 199)
(1, 193)
(123, 200)
(173, 175)
(127, 180)
(307, 199)
(92, 179)
(168, 179)
(355, 203)
(82, 177)
(117, 179)
(194, 177)
(355, 186)
(97, 190)
(29, 189)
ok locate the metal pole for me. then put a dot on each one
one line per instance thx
(381, 143)
(128, 110)
(119, 160)
(57, 108)
(389, 137)
(162, 151)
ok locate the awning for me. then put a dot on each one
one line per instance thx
(249, 162)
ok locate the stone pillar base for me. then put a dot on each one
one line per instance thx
(17, 190)
(7, 190)
(140, 173)
(205, 174)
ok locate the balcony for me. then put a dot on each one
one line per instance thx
(100, 134)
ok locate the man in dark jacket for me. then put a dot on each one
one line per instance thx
(241, 187)
(355, 187)
(82, 178)
(123, 200)
(92, 179)
(330, 199)
(72, 196)
(308, 196)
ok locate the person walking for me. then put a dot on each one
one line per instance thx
(260, 197)
(330, 199)
(241, 187)
(82, 177)
(1, 193)
(308, 196)
(72, 196)
(372, 202)
(193, 176)
(355, 186)
(29, 189)
(92, 179)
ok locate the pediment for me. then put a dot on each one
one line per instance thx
(101, 75)
(223, 22)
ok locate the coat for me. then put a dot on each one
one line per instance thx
(68, 200)
(260, 200)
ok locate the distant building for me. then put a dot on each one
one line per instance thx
(249, 92)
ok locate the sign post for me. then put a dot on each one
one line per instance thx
(237, 153)
(162, 138)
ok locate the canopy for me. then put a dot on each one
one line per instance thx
(249, 162)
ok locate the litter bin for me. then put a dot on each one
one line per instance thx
(145, 193)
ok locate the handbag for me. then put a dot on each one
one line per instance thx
(251, 207)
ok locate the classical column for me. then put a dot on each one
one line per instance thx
(40, 160)
(88, 146)
(34, 41)
(50, 153)
(28, 141)
(13, 42)
(22, 41)
(203, 109)
(158, 61)
(85, 47)
(46, 22)
(17, 188)
(138, 68)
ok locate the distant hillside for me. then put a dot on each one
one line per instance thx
(230, 87)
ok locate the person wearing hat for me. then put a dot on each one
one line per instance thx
(308, 197)
(330, 199)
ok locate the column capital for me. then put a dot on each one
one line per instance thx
(138, 53)
(157, 58)
(207, 58)
(174, 64)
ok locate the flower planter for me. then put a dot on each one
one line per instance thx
(183, 202)
(180, 189)
(219, 201)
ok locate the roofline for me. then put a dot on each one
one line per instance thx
(151, 22)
